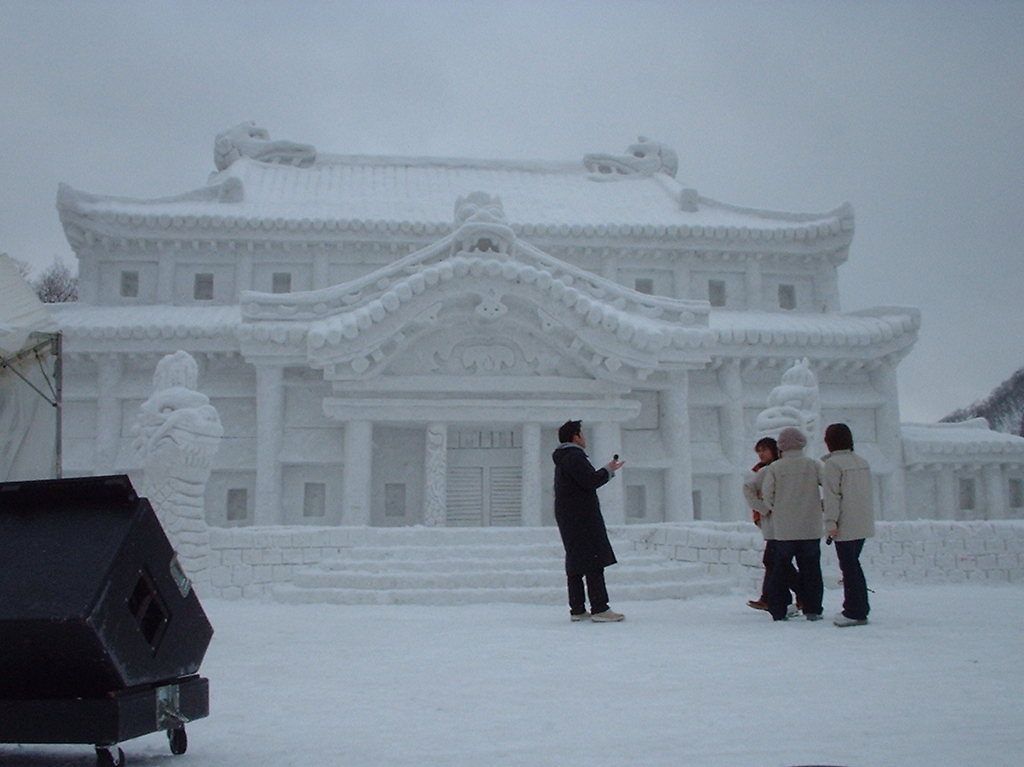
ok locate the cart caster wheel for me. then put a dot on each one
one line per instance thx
(178, 739)
(105, 757)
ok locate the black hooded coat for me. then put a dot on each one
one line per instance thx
(578, 511)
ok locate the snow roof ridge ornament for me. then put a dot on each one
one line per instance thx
(248, 140)
(481, 226)
(641, 160)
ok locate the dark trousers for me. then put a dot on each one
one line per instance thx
(808, 565)
(790, 575)
(855, 586)
(596, 591)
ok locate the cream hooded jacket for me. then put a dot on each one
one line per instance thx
(791, 491)
(848, 495)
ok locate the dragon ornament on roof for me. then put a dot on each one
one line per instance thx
(248, 140)
(642, 160)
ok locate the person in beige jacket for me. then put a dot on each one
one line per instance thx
(791, 493)
(849, 518)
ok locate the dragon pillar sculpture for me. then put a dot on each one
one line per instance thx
(177, 433)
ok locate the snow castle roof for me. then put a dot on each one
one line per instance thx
(416, 194)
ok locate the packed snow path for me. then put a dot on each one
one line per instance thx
(935, 679)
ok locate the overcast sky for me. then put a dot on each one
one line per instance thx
(912, 112)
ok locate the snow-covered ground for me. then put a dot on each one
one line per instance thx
(935, 679)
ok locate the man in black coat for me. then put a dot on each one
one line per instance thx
(578, 514)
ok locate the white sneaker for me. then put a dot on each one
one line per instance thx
(842, 621)
(607, 617)
(577, 617)
(792, 611)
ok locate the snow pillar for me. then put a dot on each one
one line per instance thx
(754, 285)
(269, 427)
(243, 281)
(165, 281)
(675, 430)
(608, 442)
(321, 270)
(733, 442)
(357, 486)
(890, 441)
(948, 493)
(681, 281)
(531, 513)
(995, 491)
(435, 483)
(108, 413)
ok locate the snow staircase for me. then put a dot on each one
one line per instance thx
(446, 566)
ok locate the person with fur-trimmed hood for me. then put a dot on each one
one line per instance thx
(581, 525)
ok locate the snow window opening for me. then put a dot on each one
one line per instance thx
(202, 287)
(1015, 493)
(314, 501)
(281, 282)
(394, 499)
(129, 284)
(697, 500)
(716, 292)
(787, 296)
(238, 504)
(967, 494)
(644, 285)
(636, 501)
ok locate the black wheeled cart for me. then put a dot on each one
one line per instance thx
(102, 634)
(109, 720)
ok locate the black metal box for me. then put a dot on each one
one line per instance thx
(92, 600)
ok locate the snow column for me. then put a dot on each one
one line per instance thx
(108, 413)
(675, 430)
(435, 485)
(607, 442)
(995, 491)
(754, 285)
(733, 442)
(890, 441)
(947, 493)
(357, 475)
(531, 511)
(269, 427)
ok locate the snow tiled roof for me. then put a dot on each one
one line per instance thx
(419, 194)
(967, 441)
(871, 328)
(759, 329)
(146, 322)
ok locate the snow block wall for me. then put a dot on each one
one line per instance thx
(919, 551)
(248, 562)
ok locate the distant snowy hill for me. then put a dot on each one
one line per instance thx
(1003, 408)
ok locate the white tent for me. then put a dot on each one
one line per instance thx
(30, 386)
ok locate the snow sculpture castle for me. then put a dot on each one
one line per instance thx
(395, 340)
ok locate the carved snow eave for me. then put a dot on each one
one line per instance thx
(86, 216)
(604, 338)
(89, 328)
(517, 262)
(863, 339)
(967, 444)
(200, 216)
(356, 329)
